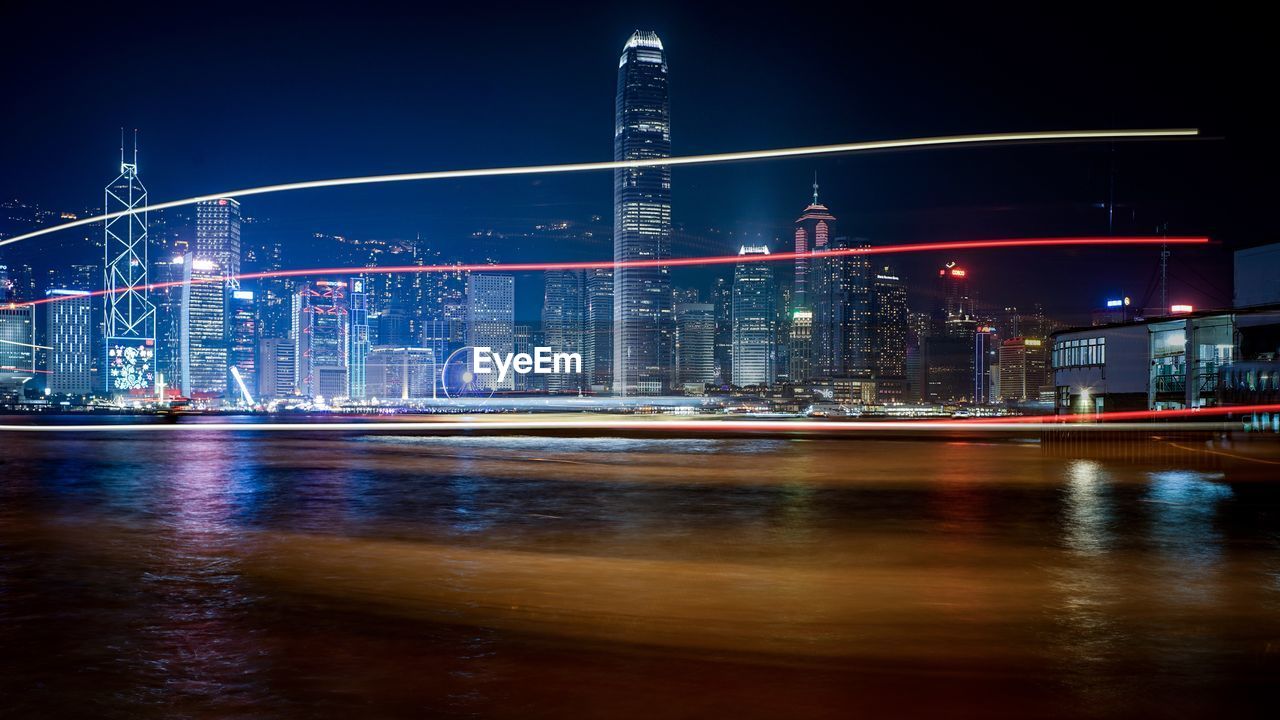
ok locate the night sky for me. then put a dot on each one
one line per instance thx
(226, 96)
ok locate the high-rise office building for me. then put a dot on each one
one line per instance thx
(722, 298)
(400, 373)
(203, 349)
(358, 314)
(754, 319)
(168, 273)
(491, 319)
(842, 312)
(889, 335)
(955, 308)
(695, 344)
(800, 345)
(322, 340)
(129, 325)
(17, 350)
(642, 323)
(986, 354)
(814, 229)
(393, 326)
(69, 335)
(597, 337)
(217, 236)
(562, 314)
(949, 353)
(1023, 368)
(277, 368)
(242, 343)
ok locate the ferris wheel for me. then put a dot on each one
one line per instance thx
(457, 378)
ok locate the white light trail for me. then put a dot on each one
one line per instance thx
(22, 344)
(843, 148)
(637, 425)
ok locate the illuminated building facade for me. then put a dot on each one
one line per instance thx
(1023, 368)
(70, 339)
(562, 315)
(217, 235)
(642, 323)
(695, 344)
(277, 368)
(842, 312)
(491, 321)
(814, 229)
(322, 340)
(597, 337)
(400, 373)
(129, 325)
(754, 320)
(722, 298)
(17, 350)
(168, 302)
(987, 356)
(242, 338)
(889, 335)
(358, 312)
(949, 350)
(955, 309)
(800, 342)
(203, 329)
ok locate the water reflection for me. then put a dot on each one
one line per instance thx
(325, 576)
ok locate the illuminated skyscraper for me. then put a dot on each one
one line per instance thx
(955, 307)
(322, 340)
(70, 342)
(17, 350)
(242, 341)
(277, 368)
(562, 313)
(949, 351)
(841, 300)
(754, 320)
(642, 323)
(814, 229)
(218, 235)
(204, 328)
(491, 319)
(597, 340)
(1023, 368)
(129, 324)
(722, 298)
(986, 354)
(359, 339)
(800, 345)
(168, 301)
(695, 344)
(889, 335)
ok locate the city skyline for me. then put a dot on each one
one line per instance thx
(1084, 191)
(833, 320)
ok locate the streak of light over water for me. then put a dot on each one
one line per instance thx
(374, 575)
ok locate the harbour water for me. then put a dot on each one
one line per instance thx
(365, 574)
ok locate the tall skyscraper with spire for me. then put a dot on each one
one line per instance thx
(130, 318)
(814, 230)
(642, 321)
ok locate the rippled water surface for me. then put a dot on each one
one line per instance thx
(366, 575)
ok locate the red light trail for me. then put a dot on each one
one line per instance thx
(675, 262)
